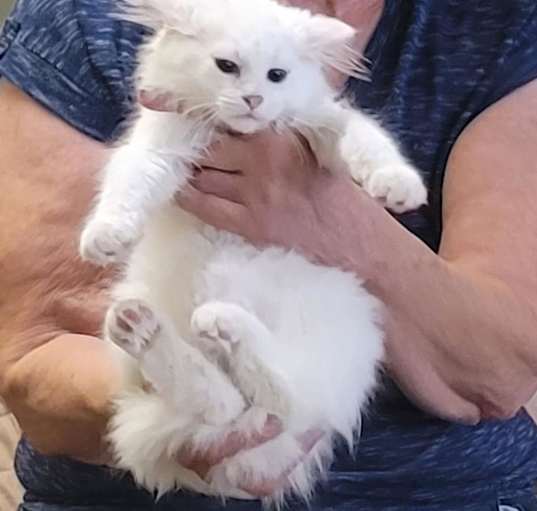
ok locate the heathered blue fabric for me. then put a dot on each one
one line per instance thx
(435, 66)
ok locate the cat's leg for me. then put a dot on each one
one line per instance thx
(136, 182)
(373, 159)
(250, 352)
(188, 404)
(140, 177)
(248, 346)
(176, 370)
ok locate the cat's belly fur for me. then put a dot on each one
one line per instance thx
(164, 265)
(326, 340)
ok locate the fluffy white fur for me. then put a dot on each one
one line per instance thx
(223, 333)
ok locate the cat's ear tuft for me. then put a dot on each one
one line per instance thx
(178, 15)
(331, 42)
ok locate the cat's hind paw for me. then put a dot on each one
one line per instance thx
(104, 243)
(132, 325)
(398, 186)
(219, 322)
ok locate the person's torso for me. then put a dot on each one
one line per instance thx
(435, 67)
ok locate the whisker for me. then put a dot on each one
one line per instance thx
(206, 120)
(312, 126)
(202, 106)
(229, 100)
(296, 141)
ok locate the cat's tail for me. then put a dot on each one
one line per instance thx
(144, 434)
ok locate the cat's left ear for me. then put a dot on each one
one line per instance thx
(330, 41)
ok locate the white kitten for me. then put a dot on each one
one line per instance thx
(224, 333)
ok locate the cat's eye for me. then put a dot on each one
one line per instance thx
(227, 66)
(277, 75)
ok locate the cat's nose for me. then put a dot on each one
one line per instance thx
(253, 101)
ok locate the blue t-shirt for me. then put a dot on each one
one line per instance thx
(436, 64)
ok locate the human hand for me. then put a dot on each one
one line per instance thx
(270, 190)
(234, 442)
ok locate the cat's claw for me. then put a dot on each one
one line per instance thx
(104, 243)
(399, 187)
(132, 325)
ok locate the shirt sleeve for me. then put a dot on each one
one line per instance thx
(516, 64)
(75, 59)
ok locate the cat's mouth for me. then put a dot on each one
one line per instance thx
(246, 123)
(249, 116)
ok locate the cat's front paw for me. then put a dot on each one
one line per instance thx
(132, 325)
(398, 186)
(107, 242)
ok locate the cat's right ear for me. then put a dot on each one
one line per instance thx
(330, 41)
(179, 15)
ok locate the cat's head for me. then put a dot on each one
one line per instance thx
(242, 63)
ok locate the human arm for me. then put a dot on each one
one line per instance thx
(55, 376)
(461, 323)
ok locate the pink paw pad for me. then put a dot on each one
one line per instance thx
(132, 325)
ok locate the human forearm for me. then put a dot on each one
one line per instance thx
(470, 313)
(451, 327)
(55, 381)
(61, 392)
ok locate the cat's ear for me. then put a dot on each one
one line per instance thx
(178, 15)
(330, 41)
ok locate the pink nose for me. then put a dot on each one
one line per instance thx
(253, 101)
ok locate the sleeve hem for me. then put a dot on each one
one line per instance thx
(56, 92)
